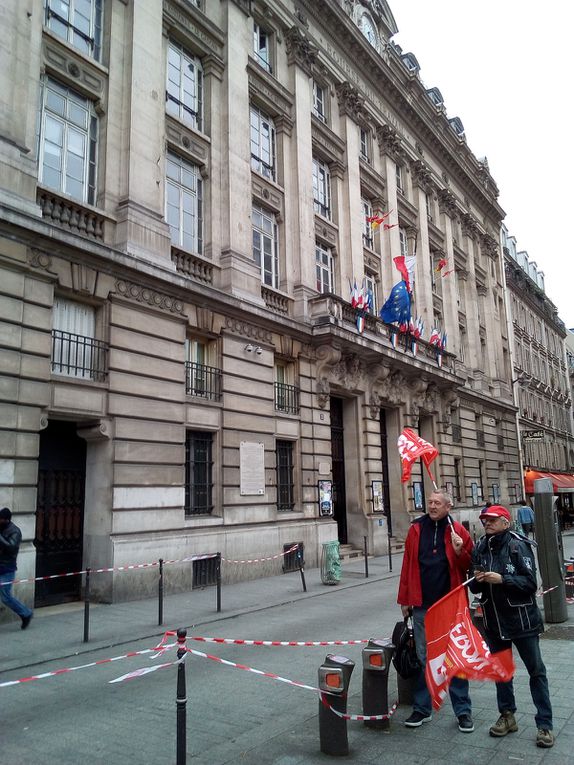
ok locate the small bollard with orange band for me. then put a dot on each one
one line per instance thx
(377, 656)
(334, 677)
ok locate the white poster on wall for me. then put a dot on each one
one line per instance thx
(251, 468)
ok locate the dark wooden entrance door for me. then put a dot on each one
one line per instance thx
(60, 512)
(385, 470)
(338, 467)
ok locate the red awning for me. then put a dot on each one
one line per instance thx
(562, 482)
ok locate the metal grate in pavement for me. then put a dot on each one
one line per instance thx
(558, 633)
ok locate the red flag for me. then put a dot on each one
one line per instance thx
(411, 447)
(456, 648)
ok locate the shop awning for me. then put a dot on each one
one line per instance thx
(562, 482)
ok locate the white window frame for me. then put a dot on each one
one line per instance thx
(184, 86)
(61, 136)
(371, 284)
(365, 145)
(320, 101)
(399, 178)
(262, 52)
(82, 32)
(266, 245)
(74, 323)
(403, 242)
(368, 233)
(324, 268)
(263, 143)
(322, 188)
(184, 196)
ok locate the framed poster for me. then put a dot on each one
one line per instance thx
(377, 497)
(496, 493)
(418, 495)
(474, 492)
(325, 497)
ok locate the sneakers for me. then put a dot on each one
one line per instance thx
(417, 719)
(505, 724)
(25, 621)
(465, 724)
(544, 738)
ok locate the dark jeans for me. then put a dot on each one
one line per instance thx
(529, 651)
(458, 689)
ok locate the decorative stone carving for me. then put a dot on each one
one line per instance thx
(431, 401)
(489, 245)
(84, 279)
(299, 50)
(422, 174)
(390, 142)
(327, 357)
(351, 102)
(250, 331)
(145, 295)
(447, 203)
(469, 225)
(38, 259)
(95, 431)
(349, 371)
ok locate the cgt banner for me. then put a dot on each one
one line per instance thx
(456, 648)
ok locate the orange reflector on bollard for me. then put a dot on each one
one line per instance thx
(333, 679)
(376, 660)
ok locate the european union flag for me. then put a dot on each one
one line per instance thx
(398, 305)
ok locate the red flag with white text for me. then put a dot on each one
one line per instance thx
(411, 447)
(455, 648)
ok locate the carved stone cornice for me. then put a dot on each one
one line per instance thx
(151, 297)
(327, 357)
(422, 175)
(351, 102)
(300, 50)
(390, 142)
(39, 259)
(489, 245)
(447, 203)
(245, 329)
(469, 225)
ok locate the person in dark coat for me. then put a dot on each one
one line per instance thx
(505, 576)
(10, 539)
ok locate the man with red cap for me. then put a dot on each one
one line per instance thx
(505, 576)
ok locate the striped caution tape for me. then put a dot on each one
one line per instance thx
(261, 560)
(66, 670)
(287, 643)
(359, 718)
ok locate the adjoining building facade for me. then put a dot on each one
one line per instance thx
(541, 376)
(185, 194)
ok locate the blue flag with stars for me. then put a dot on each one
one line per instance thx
(398, 305)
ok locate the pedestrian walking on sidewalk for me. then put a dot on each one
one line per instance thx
(525, 517)
(10, 539)
(505, 576)
(436, 559)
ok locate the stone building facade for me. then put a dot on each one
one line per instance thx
(185, 190)
(541, 373)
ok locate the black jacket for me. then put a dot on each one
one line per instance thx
(510, 608)
(10, 539)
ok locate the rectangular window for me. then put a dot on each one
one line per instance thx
(371, 285)
(68, 142)
(184, 203)
(322, 189)
(265, 245)
(458, 479)
(324, 268)
(201, 377)
(365, 144)
(319, 102)
(429, 206)
(75, 350)
(285, 486)
(399, 179)
(367, 212)
(198, 473)
(262, 143)
(262, 46)
(79, 22)
(403, 242)
(184, 89)
(286, 394)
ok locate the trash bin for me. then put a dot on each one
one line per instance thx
(569, 578)
(330, 563)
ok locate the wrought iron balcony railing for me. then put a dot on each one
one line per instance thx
(286, 398)
(78, 356)
(202, 381)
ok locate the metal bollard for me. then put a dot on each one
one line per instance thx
(366, 552)
(218, 582)
(160, 594)
(334, 678)
(181, 701)
(301, 565)
(87, 606)
(377, 656)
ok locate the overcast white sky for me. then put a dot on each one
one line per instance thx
(505, 67)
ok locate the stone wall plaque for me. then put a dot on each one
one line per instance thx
(251, 468)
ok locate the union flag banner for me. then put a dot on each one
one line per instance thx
(456, 648)
(411, 447)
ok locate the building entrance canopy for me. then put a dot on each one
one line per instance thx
(562, 482)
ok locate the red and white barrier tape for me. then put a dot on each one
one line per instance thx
(288, 643)
(66, 670)
(360, 718)
(261, 560)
